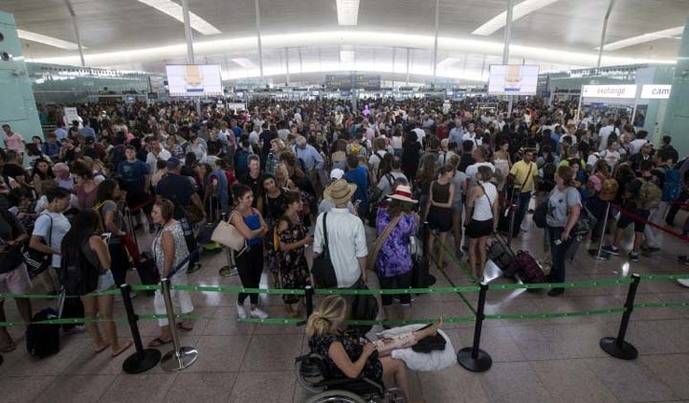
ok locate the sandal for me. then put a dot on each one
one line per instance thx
(11, 346)
(100, 349)
(181, 326)
(159, 342)
(121, 350)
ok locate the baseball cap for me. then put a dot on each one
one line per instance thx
(336, 173)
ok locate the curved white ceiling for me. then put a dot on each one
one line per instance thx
(449, 45)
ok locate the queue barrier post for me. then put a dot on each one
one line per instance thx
(180, 357)
(617, 346)
(473, 358)
(308, 295)
(143, 359)
(513, 207)
(599, 253)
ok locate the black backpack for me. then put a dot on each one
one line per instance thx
(43, 340)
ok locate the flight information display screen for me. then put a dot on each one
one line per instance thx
(513, 79)
(189, 80)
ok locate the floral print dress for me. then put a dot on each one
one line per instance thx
(293, 269)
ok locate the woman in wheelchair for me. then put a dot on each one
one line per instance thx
(345, 356)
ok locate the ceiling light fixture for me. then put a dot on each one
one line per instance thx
(347, 12)
(347, 56)
(47, 40)
(520, 10)
(174, 10)
(636, 40)
(244, 62)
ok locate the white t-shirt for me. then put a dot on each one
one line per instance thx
(603, 135)
(482, 205)
(472, 136)
(396, 142)
(152, 160)
(346, 242)
(636, 145)
(53, 237)
(420, 134)
(375, 159)
(611, 157)
(472, 169)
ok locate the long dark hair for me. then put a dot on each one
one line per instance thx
(40, 174)
(106, 191)
(85, 224)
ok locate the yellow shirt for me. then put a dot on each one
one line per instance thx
(520, 171)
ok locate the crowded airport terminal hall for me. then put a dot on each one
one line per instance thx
(344, 201)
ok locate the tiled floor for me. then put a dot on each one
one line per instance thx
(553, 360)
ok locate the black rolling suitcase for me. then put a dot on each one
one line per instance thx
(500, 253)
(148, 271)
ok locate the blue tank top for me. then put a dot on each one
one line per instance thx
(253, 222)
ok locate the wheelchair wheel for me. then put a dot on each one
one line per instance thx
(335, 396)
(308, 375)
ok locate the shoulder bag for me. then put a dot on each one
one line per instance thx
(323, 270)
(228, 235)
(37, 262)
(380, 241)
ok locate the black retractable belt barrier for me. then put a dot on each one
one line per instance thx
(616, 346)
(473, 358)
(143, 359)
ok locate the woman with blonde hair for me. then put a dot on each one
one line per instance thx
(345, 356)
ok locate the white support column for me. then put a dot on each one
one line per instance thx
(188, 34)
(604, 32)
(258, 36)
(506, 46)
(287, 65)
(435, 39)
(76, 32)
(408, 64)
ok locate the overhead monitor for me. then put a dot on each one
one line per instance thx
(513, 79)
(194, 80)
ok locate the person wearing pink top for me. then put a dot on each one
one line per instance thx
(13, 141)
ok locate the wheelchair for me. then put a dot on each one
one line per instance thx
(311, 372)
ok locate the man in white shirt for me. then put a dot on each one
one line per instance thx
(604, 134)
(638, 142)
(346, 236)
(470, 134)
(420, 134)
(155, 152)
(479, 156)
(49, 229)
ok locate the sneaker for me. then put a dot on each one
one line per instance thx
(683, 282)
(613, 250)
(257, 313)
(241, 312)
(683, 259)
(194, 268)
(634, 256)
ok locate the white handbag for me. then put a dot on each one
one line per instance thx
(228, 235)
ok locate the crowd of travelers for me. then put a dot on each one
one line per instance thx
(293, 174)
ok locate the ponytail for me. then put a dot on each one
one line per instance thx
(328, 317)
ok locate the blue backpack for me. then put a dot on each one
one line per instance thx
(672, 185)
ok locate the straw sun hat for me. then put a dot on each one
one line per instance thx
(340, 191)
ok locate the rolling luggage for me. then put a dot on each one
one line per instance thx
(148, 271)
(527, 269)
(501, 255)
(43, 340)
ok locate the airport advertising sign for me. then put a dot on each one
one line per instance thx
(627, 91)
(656, 91)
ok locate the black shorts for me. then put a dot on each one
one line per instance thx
(439, 219)
(395, 282)
(639, 225)
(478, 229)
